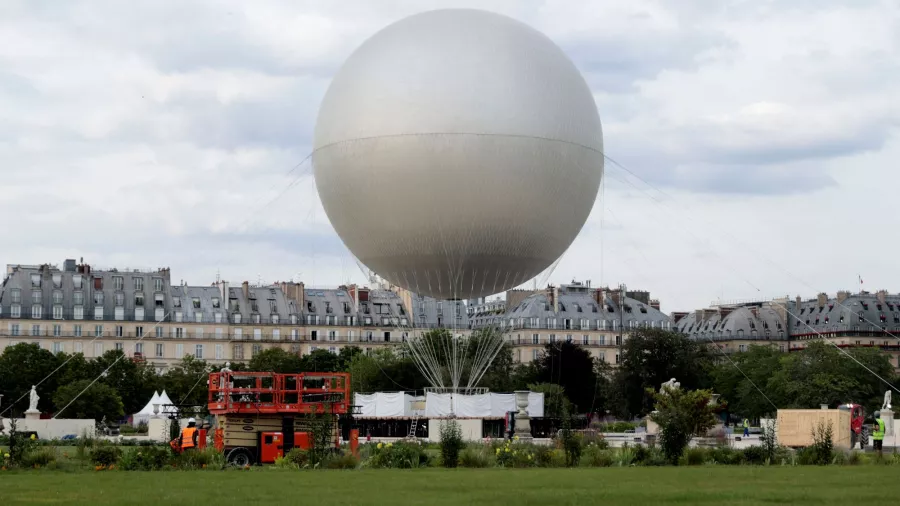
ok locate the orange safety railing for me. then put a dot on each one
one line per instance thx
(268, 392)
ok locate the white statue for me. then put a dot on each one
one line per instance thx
(669, 384)
(33, 399)
(887, 401)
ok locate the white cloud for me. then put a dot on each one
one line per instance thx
(162, 133)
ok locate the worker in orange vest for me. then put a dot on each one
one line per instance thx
(189, 434)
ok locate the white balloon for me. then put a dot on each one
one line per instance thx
(458, 153)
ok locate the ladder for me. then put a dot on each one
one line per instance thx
(412, 427)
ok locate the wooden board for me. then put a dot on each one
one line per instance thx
(242, 430)
(795, 426)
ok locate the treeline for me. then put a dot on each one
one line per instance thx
(751, 384)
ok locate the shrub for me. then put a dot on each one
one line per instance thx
(726, 456)
(451, 443)
(756, 455)
(297, 457)
(149, 458)
(696, 456)
(398, 456)
(625, 456)
(474, 458)
(571, 442)
(769, 442)
(596, 457)
(105, 455)
(38, 458)
(681, 414)
(823, 446)
(341, 461)
(207, 458)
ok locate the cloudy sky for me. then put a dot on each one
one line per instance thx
(757, 141)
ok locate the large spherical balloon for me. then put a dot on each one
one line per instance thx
(458, 153)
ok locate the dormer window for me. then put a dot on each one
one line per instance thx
(310, 307)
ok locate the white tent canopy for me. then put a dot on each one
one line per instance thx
(400, 404)
(144, 414)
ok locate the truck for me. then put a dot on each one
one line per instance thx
(261, 416)
(795, 426)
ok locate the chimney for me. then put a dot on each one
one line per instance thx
(799, 301)
(842, 296)
(245, 288)
(822, 299)
(555, 301)
(881, 294)
(698, 315)
(223, 287)
(677, 316)
(654, 303)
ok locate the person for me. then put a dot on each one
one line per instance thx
(746, 427)
(878, 433)
(189, 434)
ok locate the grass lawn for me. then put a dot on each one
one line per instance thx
(606, 486)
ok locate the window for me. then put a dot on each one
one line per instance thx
(36, 311)
(295, 334)
(220, 352)
(118, 283)
(98, 330)
(120, 347)
(35, 280)
(78, 347)
(198, 333)
(14, 329)
(160, 349)
(139, 331)
(57, 313)
(16, 296)
(15, 311)
(535, 338)
(238, 334)
(534, 354)
(257, 334)
(57, 297)
(176, 301)
(98, 349)
(198, 351)
(98, 298)
(138, 284)
(276, 334)
(256, 349)
(158, 331)
(57, 280)
(78, 298)
(119, 331)
(157, 284)
(57, 330)
(585, 340)
(215, 303)
(57, 348)
(219, 333)
(179, 333)
(179, 351)
(36, 297)
(139, 348)
(35, 330)
(120, 299)
(195, 302)
(742, 347)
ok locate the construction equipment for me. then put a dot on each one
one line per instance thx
(795, 426)
(263, 415)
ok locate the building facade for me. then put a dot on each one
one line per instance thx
(846, 320)
(597, 318)
(78, 309)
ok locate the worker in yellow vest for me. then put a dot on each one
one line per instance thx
(189, 434)
(878, 432)
(746, 427)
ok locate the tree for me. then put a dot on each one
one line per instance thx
(651, 357)
(571, 367)
(22, 366)
(346, 356)
(98, 401)
(823, 374)
(320, 361)
(186, 382)
(276, 360)
(758, 363)
(681, 415)
(133, 382)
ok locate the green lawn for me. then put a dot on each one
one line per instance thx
(606, 486)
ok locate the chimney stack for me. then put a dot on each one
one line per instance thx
(245, 287)
(822, 299)
(842, 296)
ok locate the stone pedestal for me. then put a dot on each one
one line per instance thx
(32, 414)
(523, 421)
(888, 416)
